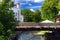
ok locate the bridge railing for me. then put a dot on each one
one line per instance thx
(38, 25)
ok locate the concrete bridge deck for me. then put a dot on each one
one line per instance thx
(36, 26)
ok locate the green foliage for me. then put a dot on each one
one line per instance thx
(2, 38)
(27, 15)
(1, 27)
(49, 9)
(25, 12)
(30, 16)
(8, 22)
(37, 16)
(58, 5)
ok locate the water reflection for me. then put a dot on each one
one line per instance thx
(30, 36)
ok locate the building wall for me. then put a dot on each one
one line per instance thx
(16, 9)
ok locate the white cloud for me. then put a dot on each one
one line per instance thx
(32, 10)
(16, 1)
(30, 4)
(27, 0)
(35, 7)
(34, 0)
(23, 3)
(38, 0)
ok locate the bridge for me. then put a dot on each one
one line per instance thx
(37, 26)
(51, 28)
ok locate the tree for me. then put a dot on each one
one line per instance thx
(27, 15)
(30, 16)
(49, 9)
(58, 5)
(37, 16)
(7, 20)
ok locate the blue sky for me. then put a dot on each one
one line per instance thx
(30, 4)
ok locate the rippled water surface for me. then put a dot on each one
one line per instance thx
(30, 36)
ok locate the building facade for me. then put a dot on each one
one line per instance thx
(16, 9)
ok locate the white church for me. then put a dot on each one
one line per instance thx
(16, 9)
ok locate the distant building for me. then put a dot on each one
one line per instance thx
(17, 11)
(57, 19)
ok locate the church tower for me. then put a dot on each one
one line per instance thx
(17, 12)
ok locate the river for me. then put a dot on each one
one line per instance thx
(30, 35)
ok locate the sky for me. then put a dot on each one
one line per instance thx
(30, 4)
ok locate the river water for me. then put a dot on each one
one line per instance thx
(30, 36)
